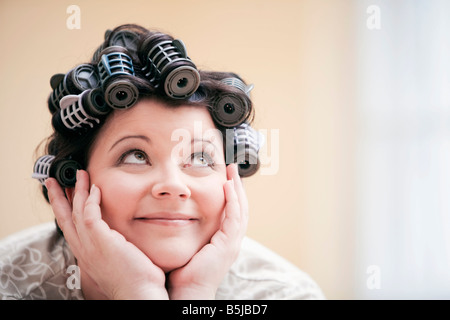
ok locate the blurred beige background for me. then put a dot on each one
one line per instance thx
(299, 54)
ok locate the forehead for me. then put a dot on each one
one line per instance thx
(154, 114)
(158, 120)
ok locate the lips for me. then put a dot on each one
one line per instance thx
(167, 219)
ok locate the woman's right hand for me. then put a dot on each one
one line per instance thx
(117, 267)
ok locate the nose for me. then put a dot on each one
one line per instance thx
(170, 185)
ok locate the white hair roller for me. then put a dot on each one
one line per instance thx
(81, 111)
(64, 171)
(42, 168)
(73, 114)
(237, 83)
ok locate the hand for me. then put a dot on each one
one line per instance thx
(116, 267)
(200, 278)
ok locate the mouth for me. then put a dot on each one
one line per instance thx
(167, 219)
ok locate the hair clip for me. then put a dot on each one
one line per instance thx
(168, 65)
(64, 171)
(243, 144)
(120, 93)
(77, 80)
(231, 109)
(80, 111)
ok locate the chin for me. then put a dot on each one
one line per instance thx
(170, 266)
(171, 255)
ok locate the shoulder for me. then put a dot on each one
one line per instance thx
(33, 263)
(259, 273)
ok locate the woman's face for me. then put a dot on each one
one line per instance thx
(161, 172)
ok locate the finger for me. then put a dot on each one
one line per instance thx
(242, 198)
(92, 212)
(63, 212)
(229, 237)
(94, 231)
(92, 215)
(231, 222)
(91, 226)
(233, 172)
(83, 220)
(81, 194)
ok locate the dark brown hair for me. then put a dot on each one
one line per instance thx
(75, 146)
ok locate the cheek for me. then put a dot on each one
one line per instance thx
(120, 194)
(210, 198)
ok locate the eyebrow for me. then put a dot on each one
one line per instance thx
(145, 138)
(203, 140)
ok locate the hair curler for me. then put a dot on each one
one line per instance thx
(243, 144)
(123, 38)
(77, 80)
(64, 171)
(126, 39)
(167, 65)
(231, 109)
(115, 67)
(42, 168)
(81, 111)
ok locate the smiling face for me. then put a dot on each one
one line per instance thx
(161, 172)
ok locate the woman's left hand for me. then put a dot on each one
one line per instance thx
(202, 275)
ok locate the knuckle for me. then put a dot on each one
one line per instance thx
(74, 218)
(80, 195)
(89, 219)
(89, 222)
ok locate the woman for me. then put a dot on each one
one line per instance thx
(142, 175)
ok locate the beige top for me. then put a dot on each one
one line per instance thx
(37, 264)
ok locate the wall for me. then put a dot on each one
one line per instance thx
(300, 56)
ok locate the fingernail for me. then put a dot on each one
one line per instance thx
(77, 174)
(92, 187)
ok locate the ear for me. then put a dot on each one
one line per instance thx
(69, 194)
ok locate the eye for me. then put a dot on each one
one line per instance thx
(134, 157)
(201, 159)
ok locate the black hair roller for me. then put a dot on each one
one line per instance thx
(244, 146)
(77, 80)
(231, 109)
(64, 171)
(115, 68)
(126, 39)
(78, 112)
(123, 38)
(167, 66)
